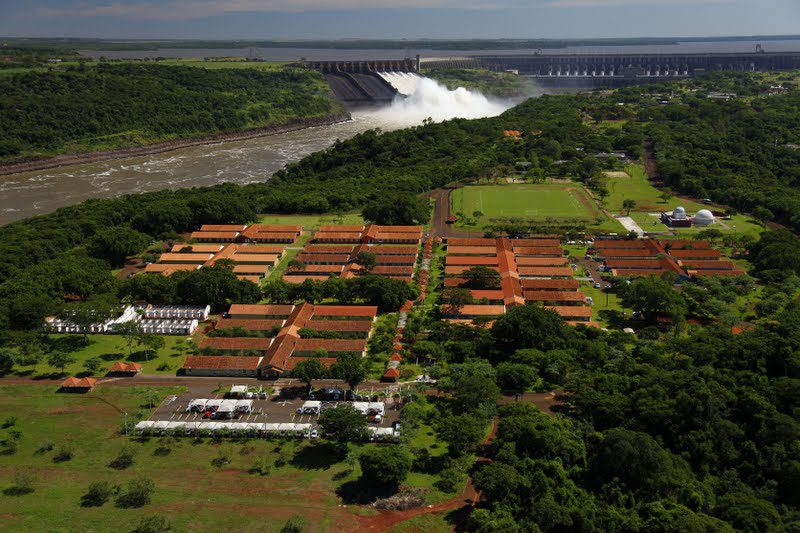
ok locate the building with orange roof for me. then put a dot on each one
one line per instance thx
(220, 365)
(122, 367)
(260, 311)
(80, 385)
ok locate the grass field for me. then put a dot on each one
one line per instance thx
(110, 348)
(312, 221)
(552, 200)
(193, 493)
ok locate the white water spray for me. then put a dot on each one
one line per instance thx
(432, 100)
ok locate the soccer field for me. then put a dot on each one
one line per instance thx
(557, 201)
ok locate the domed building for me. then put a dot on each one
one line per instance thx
(704, 217)
(676, 218)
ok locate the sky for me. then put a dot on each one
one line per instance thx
(395, 19)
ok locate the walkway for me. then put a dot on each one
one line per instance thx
(629, 224)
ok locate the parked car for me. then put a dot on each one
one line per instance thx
(597, 286)
(314, 434)
(299, 410)
(263, 395)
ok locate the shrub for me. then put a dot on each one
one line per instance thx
(98, 494)
(63, 454)
(124, 459)
(153, 524)
(295, 524)
(44, 447)
(137, 493)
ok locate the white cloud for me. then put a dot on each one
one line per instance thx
(189, 9)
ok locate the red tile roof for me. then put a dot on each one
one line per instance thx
(554, 296)
(330, 345)
(541, 284)
(695, 254)
(539, 251)
(399, 229)
(455, 270)
(400, 270)
(392, 373)
(461, 241)
(221, 362)
(572, 311)
(471, 260)
(262, 310)
(78, 383)
(341, 229)
(121, 366)
(488, 294)
(358, 326)
(222, 227)
(317, 249)
(544, 272)
(345, 311)
(215, 235)
(236, 343)
(253, 324)
(541, 261)
(471, 250)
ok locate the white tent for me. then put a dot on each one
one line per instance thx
(238, 389)
(271, 427)
(244, 406)
(196, 405)
(226, 406)
(376, 407)
(144, 424)
(161, 424)
(361, 407)
(213, 404)
(312, 406)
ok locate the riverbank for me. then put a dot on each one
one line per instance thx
(166, 146)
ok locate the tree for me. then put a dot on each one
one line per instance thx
(343, 424)
(665, 196)
(349, 367)
(709, 234)
(86, 314)
(367, 260)
(60, 360)
(151, 343)
(116, 243)
(385, 467)
(137, 492)
(471, 386)
(481, 277)
(295, 265)
(515, 377)
(454, 299)
(628, 205)
(6, 361)
(530, 326)
(763, 215)
(397, 210)
(93, 364)
(131, 331)
(653, 296)
(308, 370)
(462, 433)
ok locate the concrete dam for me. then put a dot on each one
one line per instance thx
(614, 70)
(379, 81)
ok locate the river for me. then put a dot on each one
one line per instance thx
(32, 193)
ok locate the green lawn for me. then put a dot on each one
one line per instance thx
(310, 222)
(530, 201)
(110, 348)
(647, 198)
(194, 494)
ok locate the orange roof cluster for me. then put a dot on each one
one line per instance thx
(281, 353)
(395, 249)
(526, 268)
(648, 257)
(252, 261)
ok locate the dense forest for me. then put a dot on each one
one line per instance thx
(696, 432)
(107, 106)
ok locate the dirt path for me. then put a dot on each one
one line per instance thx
(440, 226)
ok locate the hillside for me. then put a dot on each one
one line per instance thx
(84, 109)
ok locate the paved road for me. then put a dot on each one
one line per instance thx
(629, 224)
(440, 226)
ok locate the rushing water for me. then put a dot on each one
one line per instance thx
(32, 193)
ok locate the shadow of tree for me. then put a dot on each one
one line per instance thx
(320, 456)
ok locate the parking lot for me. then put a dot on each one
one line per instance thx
(271, 410)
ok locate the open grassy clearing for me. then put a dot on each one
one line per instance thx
(532, 202)
(110, 348)
(648, 201)
(312, 221)
(196, 495)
